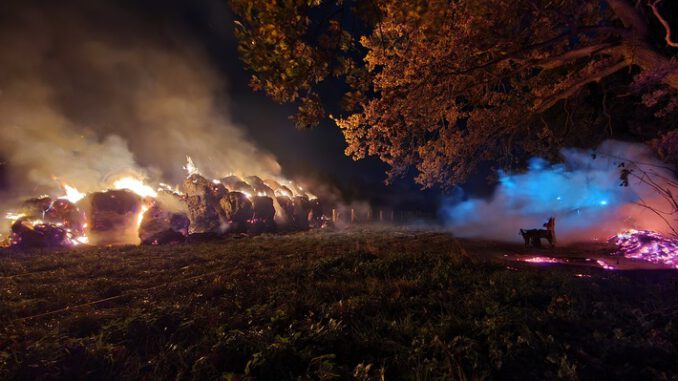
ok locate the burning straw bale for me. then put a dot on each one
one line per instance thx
(26, 235)
(160, 226)
(285, 191)
(35, 208)
(237, 209)
(45, 223)
(235, 184)
(264, 214)
(274, 185)
(231, 182)
(315, 215)
(202, 198)
(259, 186)
(67, 214)
(302, 208)
(114, 217)
(286, 210)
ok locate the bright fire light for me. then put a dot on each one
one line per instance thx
(82, 240)
(14, 216)
(136, 186)
(73, 195)
(190, 167)
(605, 265)
(140, 218)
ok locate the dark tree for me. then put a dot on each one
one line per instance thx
(445, 85)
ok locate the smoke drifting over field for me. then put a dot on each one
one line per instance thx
(583, 193)
(90, 91)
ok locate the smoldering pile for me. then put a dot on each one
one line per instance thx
(134, 213)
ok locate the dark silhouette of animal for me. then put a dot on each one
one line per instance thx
(533, 237)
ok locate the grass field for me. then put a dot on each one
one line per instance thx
(358, 304)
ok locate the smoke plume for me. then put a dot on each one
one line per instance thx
(89, 92)
(585, 193)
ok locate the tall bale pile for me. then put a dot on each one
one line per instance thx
(235, 184)
(264, 214)
(315, 215)
(287, 209)
(302, 207)
(231, 182)
(259, 186)
(202, 199)
(113, 217)
(272, 184)
(237, 210)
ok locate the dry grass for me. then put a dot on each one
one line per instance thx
(363, 304)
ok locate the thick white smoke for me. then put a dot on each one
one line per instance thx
(90, 91)
(583, 193)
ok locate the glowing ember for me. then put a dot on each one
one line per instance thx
(604, 265)
(648, 246)
(136, 186)
(73, 195)
(542, 260)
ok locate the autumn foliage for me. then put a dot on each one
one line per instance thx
(445, 86)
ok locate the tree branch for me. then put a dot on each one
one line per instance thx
(630, 17)
(560, 60)
(665, 24)
(648, 59)
(637, 50)
(544, 105)
(542, 44)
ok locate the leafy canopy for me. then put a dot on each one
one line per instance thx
(444, 86)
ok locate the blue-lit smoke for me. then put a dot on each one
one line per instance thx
(582, 192)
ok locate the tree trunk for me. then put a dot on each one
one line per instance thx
(637, 51)
(647, 58)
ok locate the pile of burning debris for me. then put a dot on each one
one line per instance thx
(641, 245)
(648, 246)
(132, 212)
